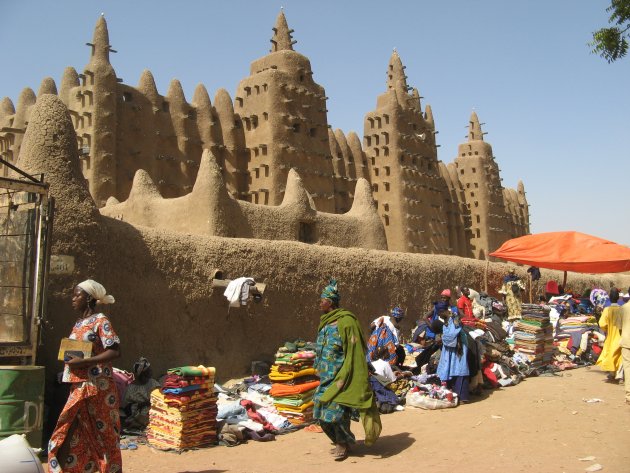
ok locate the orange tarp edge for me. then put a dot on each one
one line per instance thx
(567, 251)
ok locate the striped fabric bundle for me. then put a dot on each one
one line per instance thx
(294, 381)
(183, 411)
(533, 335)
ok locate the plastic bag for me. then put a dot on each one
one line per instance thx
(418, 399)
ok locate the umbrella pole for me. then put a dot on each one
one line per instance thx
(564, 282)
(531, 282)
(485, 277)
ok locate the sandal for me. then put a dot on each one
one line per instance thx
(313, 428)
(340, 453)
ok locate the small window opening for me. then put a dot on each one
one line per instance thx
(307, 233)
(127, 97)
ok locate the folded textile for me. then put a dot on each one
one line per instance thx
(193, 387)
(288, 401)
(276, 375)
(278, 389)
(288, 408)
(193, 371)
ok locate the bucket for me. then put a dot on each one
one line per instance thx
(22, 402)
(17, 456)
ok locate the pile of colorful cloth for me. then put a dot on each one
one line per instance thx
(183, 411)
(294, 381)
(533, 335)
(579, 338)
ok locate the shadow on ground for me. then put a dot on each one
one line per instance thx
(385, 447)
(203, 471)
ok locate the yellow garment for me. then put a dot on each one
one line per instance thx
(625, 328)
(610, 322)
(286, 407)
(276, 375)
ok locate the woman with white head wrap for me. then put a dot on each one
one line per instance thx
(93, 394)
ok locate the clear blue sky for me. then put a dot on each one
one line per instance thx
(556, 115)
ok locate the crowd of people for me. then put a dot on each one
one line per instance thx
(461, 346)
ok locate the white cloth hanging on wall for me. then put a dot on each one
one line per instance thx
(237, 291)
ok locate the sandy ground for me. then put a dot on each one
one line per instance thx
(541, 425)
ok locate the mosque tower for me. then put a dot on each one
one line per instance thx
(283, 112)
(478, 173)
(400, 146)
(96, 119)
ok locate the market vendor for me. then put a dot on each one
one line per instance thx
(386, 333)
(512, 289)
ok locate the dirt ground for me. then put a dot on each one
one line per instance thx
(541, 425)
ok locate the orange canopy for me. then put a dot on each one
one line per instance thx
(566, 251)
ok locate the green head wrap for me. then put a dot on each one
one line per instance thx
(331, 292)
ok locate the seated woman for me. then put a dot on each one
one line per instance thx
(385, 335)
(390, 384)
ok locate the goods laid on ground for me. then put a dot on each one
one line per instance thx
(431, 396)
(533, 335)
(183, 411)
(294, 381)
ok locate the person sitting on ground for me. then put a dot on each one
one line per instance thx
(429, 330)
(610, 322)
(385, 333)
(136, 402)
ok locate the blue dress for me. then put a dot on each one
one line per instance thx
(333, 418)
(451, 364)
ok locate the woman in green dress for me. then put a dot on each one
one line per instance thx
(344, 392)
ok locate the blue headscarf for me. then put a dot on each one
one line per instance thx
(331, 292)
(398, 312)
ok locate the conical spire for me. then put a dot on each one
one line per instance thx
(100, 41)
(69, 80)
(175, 93)
(6, 109)
(428, 116)
(47, 86)
(415, 95)
(147, 86)
(396, 71)
(474, 128)
(282, 40)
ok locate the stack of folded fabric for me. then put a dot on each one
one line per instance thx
(294, 382)
(533, 335)
(184, 410)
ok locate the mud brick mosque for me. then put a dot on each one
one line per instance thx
(267, 165)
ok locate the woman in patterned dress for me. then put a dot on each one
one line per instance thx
(344, 391)
(87, 433)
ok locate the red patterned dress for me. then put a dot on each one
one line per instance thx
(92, 406)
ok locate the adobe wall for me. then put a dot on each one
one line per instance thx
(165, 306)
